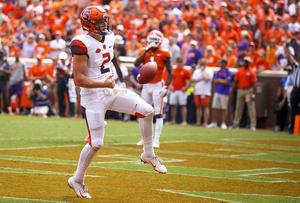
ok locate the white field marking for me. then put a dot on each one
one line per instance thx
(225, 193)
(266, 173)
(179, 141)
(124, 156)
(199, 154)
(182, 193)
(258, 169)
(238, 140)
(39, 200)
(150, 171)
(42, 172)
(41, 147)
(255, 154)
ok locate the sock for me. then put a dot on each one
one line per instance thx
(146, 129)
(86, 156)
(158, 128)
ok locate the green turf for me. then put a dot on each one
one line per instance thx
(18, 132)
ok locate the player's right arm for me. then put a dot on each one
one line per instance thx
(79, 70)
(140, 59)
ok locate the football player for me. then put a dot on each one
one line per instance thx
(92, 54)
(156, 90)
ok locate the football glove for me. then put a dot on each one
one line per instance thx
(163, 92)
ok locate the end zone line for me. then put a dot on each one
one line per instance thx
(39, 200)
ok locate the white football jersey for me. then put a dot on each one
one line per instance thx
(99, 54)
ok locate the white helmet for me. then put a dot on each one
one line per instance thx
(155, 38)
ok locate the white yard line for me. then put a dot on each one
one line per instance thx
(182, 193)
(39, 200)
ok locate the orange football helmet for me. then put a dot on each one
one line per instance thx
(155, 38)
(90, 18)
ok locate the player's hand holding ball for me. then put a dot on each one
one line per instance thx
(147, 72)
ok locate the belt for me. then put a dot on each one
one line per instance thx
(245, 88)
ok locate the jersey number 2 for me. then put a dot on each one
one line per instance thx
(107, 56)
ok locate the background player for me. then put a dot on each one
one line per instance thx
(154, 92)
(93, 53)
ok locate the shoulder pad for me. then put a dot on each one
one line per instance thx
(78, 47)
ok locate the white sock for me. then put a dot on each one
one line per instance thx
(86, 156)
(146, 129)
(158, 128)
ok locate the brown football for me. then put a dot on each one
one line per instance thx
(147, 72)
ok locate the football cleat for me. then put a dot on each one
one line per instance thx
(156, 144)
(140, 142)
(80, 189)
(155, 162)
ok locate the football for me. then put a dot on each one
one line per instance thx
(147, 72)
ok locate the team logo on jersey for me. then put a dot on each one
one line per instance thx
(98, 50)
(104, 46)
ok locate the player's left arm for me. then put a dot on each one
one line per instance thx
(117, 66)
(170, 70)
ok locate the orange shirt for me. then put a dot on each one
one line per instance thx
(56, 5)
(180, 77)
(159, 56)
(59, 23)
(262, 65)
(231, 61)
(212, 61)
(252, 55)
(129, 44)
(169, 30)
(271, 56)
(232, 35)
(43, 49)
(220, 50)
(204, 24)
(8, 7)
(118, 6)
(12, 51)
(37, 71)
(143, 26)
(245, 77)
(50, 70)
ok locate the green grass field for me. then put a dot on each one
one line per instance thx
(37, 156)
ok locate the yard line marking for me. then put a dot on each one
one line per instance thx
(17, 170)
(255, 154)
(41, 147)
(271, 146)
(39, 200)
(258, 169)
(182, 193)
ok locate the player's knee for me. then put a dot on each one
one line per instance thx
(142, 111)
(97, 144)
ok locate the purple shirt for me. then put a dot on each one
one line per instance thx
(220, 88)
(193, 56)
(243, 46)
(135, 71)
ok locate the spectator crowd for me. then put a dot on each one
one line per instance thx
(199, 33)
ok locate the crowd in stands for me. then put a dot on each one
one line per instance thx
(193, 29)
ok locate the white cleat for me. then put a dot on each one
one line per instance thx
(140, 142)
(155, 162)
(223, 126)
(80, 189)
(212, 125)
(156, 144)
